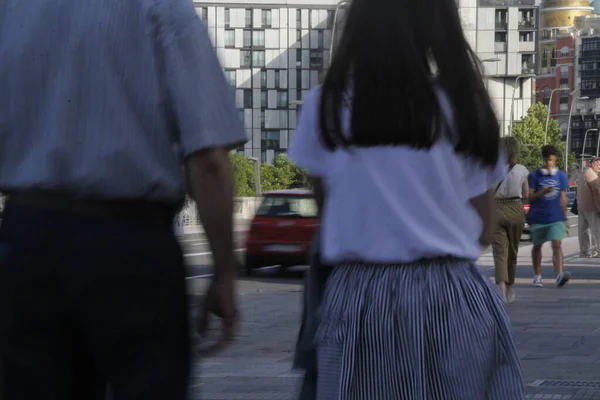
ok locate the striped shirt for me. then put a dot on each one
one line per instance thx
(105, 98)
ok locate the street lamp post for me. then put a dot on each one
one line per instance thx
(573, 101)
(490, 60)
(550, 111)
(257, 174)
(512, 103)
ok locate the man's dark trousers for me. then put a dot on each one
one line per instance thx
(87, 300)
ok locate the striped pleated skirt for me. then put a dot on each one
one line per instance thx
(429, 330)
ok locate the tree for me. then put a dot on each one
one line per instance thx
(278, 176)
(282, 174)
(243, 175)
(530, 133)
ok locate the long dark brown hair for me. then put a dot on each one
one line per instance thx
(386, 59)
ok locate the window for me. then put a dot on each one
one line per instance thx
(299, 36)
(227, 17)
(277, 79)
(258, 58)
(288, 206)
(501, 17)
(248, 18)
(231, 77)
(282, 99)
(247, 98)
(263, 78)
(321, 39)
(229, 38)
(298, 57)
(266, 18)
(564, 52)
(544, 57)
(258, 38)
(299, 18)
(262, 118)
(526, 36)
(245, 58)
(204, 14)
(263, 99)
(270, 140)
(547, 92)
(247, 38)
(316, 59)
(500, 37)
(298, 80)
(564, 93)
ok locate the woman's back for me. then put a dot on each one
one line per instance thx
(393, 203)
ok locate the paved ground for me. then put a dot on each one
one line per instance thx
(557, 332)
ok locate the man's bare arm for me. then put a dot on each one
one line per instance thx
(564, 204)
(210, 178)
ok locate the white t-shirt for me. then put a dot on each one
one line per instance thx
(512, 185)
(393, 204)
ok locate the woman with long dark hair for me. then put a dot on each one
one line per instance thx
(403, 147)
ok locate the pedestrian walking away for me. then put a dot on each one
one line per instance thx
(588, 207)
(511, 220)
(108, 109)
(548, 215)
(403, 161)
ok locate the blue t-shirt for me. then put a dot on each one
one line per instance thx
(547, 209)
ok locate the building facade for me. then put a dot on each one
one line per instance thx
(273, 52)
(585, 123)
(557, 71)
(504, 35)
(557, 49)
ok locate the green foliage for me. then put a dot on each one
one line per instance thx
(282, 174)
(243, 175)
(530, 133)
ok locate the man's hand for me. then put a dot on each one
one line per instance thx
(548, 190)
(219, 301)
(211, 184)
(567, 229)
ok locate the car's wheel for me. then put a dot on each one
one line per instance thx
(250, 265)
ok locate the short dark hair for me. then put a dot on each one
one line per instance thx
(548, 151)
(386, 62)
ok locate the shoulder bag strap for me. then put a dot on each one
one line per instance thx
(510, 168)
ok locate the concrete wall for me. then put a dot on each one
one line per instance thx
(188, 221)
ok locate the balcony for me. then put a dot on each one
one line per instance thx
(527, 47)
(500, 47)
(588, 54)
(594, 93)
(589, 73)
(526, 25)
(528, 70)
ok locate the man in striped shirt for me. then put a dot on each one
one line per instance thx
(102, 102)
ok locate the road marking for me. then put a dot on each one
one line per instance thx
(204, 253)
(207, 275)
(198, 276)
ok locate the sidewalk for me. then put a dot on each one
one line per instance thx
(557, 332)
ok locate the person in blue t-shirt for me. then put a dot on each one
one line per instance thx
(548, 215)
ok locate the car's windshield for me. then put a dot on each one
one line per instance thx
(288, 206)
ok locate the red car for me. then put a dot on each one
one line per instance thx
(282, 230)
(526, 229)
